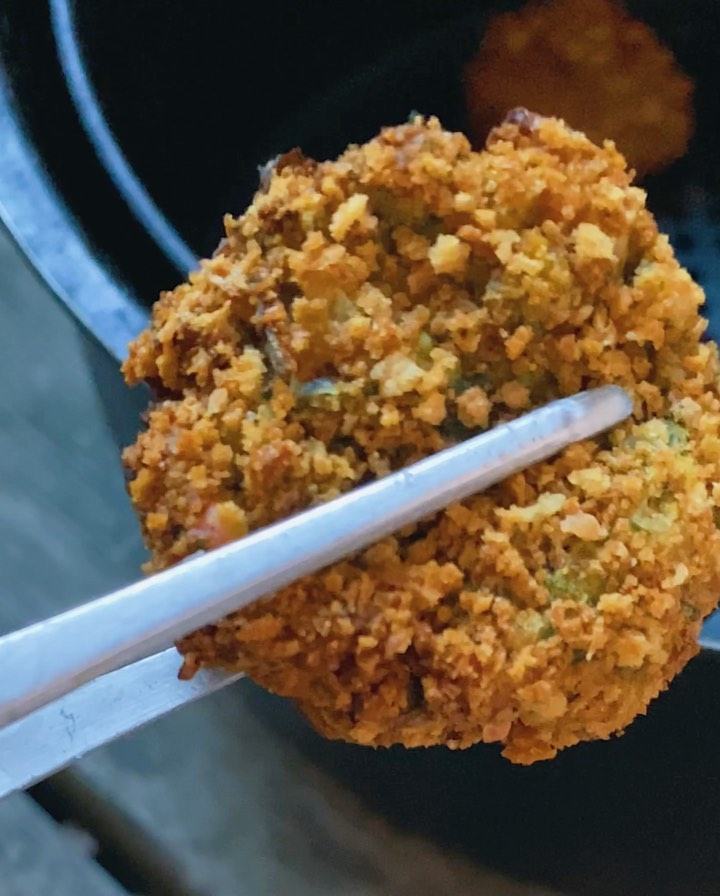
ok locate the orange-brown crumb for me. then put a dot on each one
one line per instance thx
(366, 312)
(589, 62)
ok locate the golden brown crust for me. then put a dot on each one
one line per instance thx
(366, 312)
(589, 62)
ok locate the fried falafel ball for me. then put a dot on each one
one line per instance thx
(367, 312)
(589, 62)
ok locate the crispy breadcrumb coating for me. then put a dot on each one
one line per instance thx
(366, 312)
(589, 62)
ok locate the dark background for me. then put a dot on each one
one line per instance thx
(196, 95)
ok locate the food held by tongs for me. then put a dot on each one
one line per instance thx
(98, 671)
(368, 314)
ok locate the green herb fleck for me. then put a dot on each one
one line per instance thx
(469, 380)
(563, 583)
(320, 386)
(677, 434)
(535, 625)
(343, 308)
(656, 523)
(690, 611)
(454, 431)
(425, 344)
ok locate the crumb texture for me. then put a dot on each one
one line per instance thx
(366, 312)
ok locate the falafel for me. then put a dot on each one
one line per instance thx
(366, 312)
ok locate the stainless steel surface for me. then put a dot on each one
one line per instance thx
(37, 217)
(101, 711)
(98, 713)
(42, 662)
(93, 121)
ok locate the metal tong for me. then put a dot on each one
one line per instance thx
(85, 677)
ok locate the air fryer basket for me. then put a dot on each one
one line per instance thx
(193, 101)
(195, 96)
